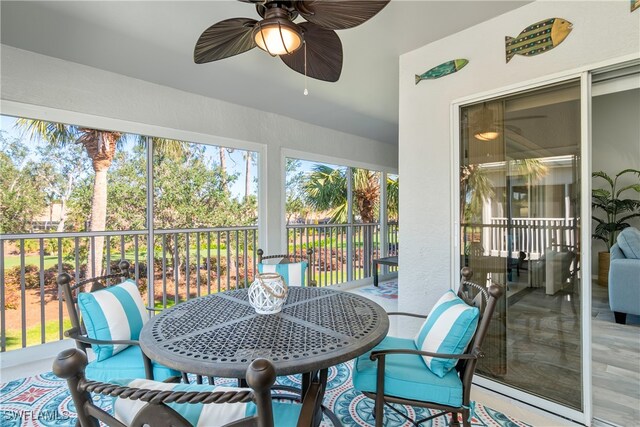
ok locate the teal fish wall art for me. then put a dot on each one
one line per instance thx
(538, 38)
(442, 70)
(635, 4)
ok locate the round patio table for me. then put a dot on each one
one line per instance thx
(221, 334)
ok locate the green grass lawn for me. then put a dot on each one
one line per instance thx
(13, 260)
(51, 330)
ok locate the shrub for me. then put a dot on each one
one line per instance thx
(11, 296)
(31, 276)
(31, 246)
(51, 247)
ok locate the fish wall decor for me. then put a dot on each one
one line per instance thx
(442, 70)
(538, 38)
(635, 4)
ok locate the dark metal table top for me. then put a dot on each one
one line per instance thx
(220, 334)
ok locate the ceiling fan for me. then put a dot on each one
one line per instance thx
(311, 48)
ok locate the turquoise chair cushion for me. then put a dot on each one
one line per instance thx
(406, 376)
(126, 364)
(114, 313)
(448, 329)
(629, 242)
(198, 414)
(293, 273)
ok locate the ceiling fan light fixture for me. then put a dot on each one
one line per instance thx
(487, 136)
(277, 36)
(486, 127)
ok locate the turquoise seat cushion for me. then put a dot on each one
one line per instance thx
(198, 414)
(293, 273)
(114, 313)
(126, 364)
(448, 329)
(406, 376)
(629, 242)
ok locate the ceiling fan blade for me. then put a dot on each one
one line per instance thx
(324, 54)
(224, 39)
(339, 14)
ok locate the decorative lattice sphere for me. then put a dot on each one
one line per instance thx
(267, 293)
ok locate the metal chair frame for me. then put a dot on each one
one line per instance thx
(288, 259)
(474, 295)
(78, 331)
(70, 365)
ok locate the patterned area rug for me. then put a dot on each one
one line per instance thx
(43, 400)
(387, 290)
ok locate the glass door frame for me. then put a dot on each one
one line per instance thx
(584, 78)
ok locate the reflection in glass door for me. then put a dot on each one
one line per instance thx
(519, 216)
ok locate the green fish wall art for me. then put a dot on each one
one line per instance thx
(538, 38)
(442, 70)
(635, 4)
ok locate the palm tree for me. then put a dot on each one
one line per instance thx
(325, 189)
(475, 188)
(101, 148)
(249, 157)
(393, 197)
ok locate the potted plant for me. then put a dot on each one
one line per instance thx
(618, 211)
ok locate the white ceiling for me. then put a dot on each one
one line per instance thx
(154, 41)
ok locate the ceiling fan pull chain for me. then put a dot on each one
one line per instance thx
(306, 91)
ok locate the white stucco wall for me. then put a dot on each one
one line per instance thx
(31, 78)
(602, 31)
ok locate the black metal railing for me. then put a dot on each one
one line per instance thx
(184, 263)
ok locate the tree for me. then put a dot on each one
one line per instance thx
(475, 189)
(101, 148)
(326, 190)
(393, 197)
(67, 167)
(294, 204)
(22, 187)
(192, 192)
(249, 158)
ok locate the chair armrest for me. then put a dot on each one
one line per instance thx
(74, 334)
(475, 354)
(155, 310)
(398, 313)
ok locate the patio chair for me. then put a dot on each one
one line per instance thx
(435, 369)
(145, 402)
(112, 316)
(293, 268)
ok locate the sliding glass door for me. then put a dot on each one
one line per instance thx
(520, 201)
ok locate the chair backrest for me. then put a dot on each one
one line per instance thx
(485, 298)
(70, 365)
(70, 295)
(291, 258)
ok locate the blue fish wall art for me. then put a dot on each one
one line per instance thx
(442, 70)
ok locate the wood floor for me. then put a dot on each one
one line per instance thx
(616, 363)
(543, 351)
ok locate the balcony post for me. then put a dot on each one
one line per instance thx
(384, 220)
(150, 226)
(349, 224)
